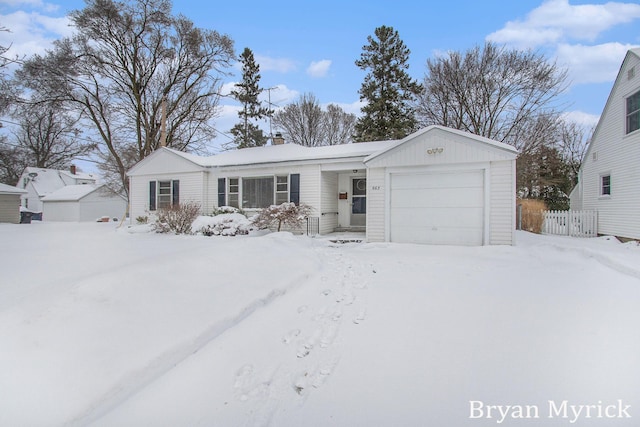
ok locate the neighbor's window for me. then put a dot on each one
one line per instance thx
(633, 112)
(282, 189)
(234, 189)
(257, 192)
(605, 185)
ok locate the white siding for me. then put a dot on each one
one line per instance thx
(192, 188)
(376, 203)
(618, 154)
(96, 205)
(425, 150)
(329, 202)
(502, 203)
(10, 208)
(61, 211)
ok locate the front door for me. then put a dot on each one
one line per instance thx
(358, 202)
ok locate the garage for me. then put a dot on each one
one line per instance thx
(438, 208)
(442, 186)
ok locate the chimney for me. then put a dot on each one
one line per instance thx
(278, 139)
(72, 169)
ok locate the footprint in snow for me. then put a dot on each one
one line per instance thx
(290, 336)
(360, 316)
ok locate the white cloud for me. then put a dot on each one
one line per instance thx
(319, 68)
(280, 95)
(585, 120)
(557, 20)
(33, 4)
(281, 65)
(592, 64)
(32, 33)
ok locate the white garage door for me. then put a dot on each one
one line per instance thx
(438, 208)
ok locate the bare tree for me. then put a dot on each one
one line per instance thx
(48, 135)
(494, 92)
(574, 140)
(302, 121)
(305, 123)
(339, 126)
(125, 60)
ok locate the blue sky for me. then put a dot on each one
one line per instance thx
(311, 47)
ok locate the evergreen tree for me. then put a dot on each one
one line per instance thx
(388, 90)
(246, 133)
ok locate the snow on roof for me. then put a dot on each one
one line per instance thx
(46, 181)
(285, 153)
(8, 189)
(70, 193)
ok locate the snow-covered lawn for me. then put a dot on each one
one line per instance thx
(103, 326)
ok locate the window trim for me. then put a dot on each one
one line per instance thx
(602, 185)
(630, 114)
(154, 193)
(286, 188)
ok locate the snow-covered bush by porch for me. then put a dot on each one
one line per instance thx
(227, 224)
(289, 215)
(176, 219)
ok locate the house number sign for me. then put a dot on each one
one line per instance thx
(376, 187)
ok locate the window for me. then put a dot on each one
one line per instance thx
(282, 189)
(234, 189)
(605, 185)
(163, 194)
(633, 112)
(257, 192)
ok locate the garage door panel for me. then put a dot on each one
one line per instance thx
(440, 236)
(438, 217)
(438, 208)
(440, 197)
(437, 180)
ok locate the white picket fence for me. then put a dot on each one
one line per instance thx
(571, 223)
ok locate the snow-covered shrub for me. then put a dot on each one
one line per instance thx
(287, 214)
(226, 210)
(176, 219)
(229, 224)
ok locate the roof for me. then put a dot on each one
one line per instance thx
(45, 181)
(284, 153)
(8, 189)
(70, 193)
(481, 139)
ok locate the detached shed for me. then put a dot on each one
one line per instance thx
(10, 203)
(442, 186)
(82, 203)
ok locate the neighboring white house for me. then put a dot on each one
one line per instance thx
(10, 203)
(83, 202)
(40, 181)
(610, 173)
(436, 186)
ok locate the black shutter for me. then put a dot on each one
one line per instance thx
(222, 191)
(294, 191)
(175, 201)
(152, 195)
